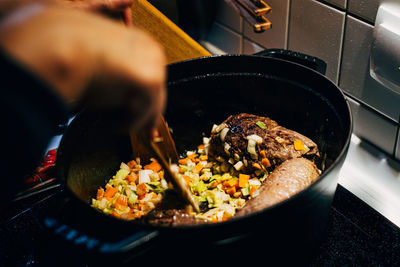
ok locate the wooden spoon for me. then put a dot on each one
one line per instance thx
(162, 148)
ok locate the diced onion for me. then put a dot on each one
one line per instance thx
(223, 133)
(251, 148)
(226, 148)
(245, 162)
(204, 163)
(190, 153)
(123, 166)
(238, 166)
(255, 138)
(231, 160)
(174, 168)
(214, 128)
(154, 176)
(144, 176)
(220, 127)
(164, 184)
(206, 140)
(254, 181)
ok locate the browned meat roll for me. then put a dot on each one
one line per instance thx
(252, 142)
(287, 179)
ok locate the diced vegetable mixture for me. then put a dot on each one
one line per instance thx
(135, 190)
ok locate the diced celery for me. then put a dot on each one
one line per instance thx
(225, 176)
(107, 211)
(261, 125)
(121, 174)
(201, 198)
(245, 191)
(215, 177)
(200, 187)
(132, 198)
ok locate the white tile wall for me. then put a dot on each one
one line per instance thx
(338, 3)
(228, 17)
(225, 39)
(250, 47)
(366, 9)
(317, 29)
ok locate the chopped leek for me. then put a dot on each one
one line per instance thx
(261, 125)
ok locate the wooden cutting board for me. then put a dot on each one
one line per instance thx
(177, 44)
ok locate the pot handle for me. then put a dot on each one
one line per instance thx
(93, 244)
(296, 57)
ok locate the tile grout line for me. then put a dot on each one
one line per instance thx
(339, 76)
(289, 12)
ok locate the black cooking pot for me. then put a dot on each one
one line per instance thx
(202, 92)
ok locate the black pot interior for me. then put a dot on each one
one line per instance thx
(206, 91)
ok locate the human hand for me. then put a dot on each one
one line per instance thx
(117, 70)
(106, 6)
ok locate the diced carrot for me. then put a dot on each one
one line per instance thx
(115, 214)
(183, 161)
(141, 189)
(153, 195)
(298, 145)
(200, 146)
(243, 180)
(100, 193)
(131, 164)
(130, 178)
(154, 166)
(140, 198)
(214, 219)
(192, 156)
(263, 153)
(231, 183)
(203, 157)
(118, 206)
(215, 183)
(237, 194)
(257, 166)
(123, 200)
(109, 199)
(253, 189)
(266, 162)
(187, 179)
(110, 191)
(198, 168)
(231, 190)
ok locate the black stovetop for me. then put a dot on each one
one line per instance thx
(355, 235)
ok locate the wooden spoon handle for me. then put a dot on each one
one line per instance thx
(179, 184)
